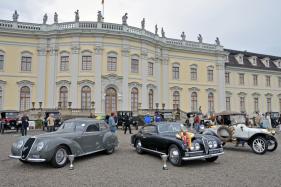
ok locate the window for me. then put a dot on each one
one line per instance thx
(211, 103)
(227, 80)
(256, 104)
(150, 99)
(149, 129)
(193, 73)
(150, 68)
(267, 80)
(1, 62)
(241, 78)
(134, 99)
(176, 72)
(193, 101)
(86, 97)
(63, 96)
(24, 98)
(279, 82)
(280, 105)
(112, 63)
(210, 75)
(93, 128)
(64, 63)
(242, 104)
(228, 107)
(268, 104)
(26, 63)
(176, 100)
(86, 63)
(1, 98)
(255, 80)
(103, 126)
(134, 65)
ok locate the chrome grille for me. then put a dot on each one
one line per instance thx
(206, 146)
(27, 147)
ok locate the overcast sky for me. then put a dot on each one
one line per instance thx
(252, 25)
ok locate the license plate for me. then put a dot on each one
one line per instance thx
(12, 128)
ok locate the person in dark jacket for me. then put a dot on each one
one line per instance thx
(24, 124)
(127, 124)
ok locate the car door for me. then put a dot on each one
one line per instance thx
(91, 139)
(241, 131)
(148, 134)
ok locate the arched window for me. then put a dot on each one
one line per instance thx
(24, 98)
(86, 97)
(150, 99)
(211, 103)
(63, 96)
(110, 100)
(134, 99)
(193, 101)
(176, 100)
(1, 98)
(112, 62)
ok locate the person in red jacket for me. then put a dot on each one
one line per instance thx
(197, 123)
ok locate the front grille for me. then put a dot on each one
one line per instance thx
(206, 146)
(27, 147)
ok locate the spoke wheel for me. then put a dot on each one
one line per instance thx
(272, 144)
(175, 155)
(139, 146)
(60, 157)
(259, 145)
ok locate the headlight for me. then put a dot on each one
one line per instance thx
(19, 144)
(210, 144)
(40, 146)
(192, 148)
(215, 144)
(197, 146)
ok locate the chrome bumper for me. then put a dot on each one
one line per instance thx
(202, 156)
(28, 159)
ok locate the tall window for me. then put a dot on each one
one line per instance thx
(135, 65)
(150, 68)
(150, 99)
(193, 73)
(256, 104)
(110, 100)
(86, 62)
(268, 104)
(255, 80)
(134, 99)
(112, 62)
(176, 72)
(280, 105)
(267, 80)
(1, 98)
(176, 100)
(241, 78)
(26, 63)
(242, 104)
(24, 98)
(86, 97)
(63, 96)
(1, 61)
(210, 75)
(228, 107)
(193, 101)
(211, 103)
(279, 82)
(64, 63)
(227, 80)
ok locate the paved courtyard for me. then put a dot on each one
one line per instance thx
(238, 167)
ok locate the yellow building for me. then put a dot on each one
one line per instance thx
(117, 66)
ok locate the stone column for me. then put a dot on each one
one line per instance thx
(125, 65)
(98, 73)
(52, 78)
(144, 69)
(221, 86)
(165, 81)
(41, 75)
(158, 81)
(74, 76)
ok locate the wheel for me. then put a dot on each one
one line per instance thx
(175, 155)
(272, 144)
(110, 150)
(212, 159)
(224, 133)
(138, 146)
(59, 158)
(259, 145)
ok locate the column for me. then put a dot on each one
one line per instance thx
(74, 76)
(52, 78)
(144, 94)
(98, 73)
(41, 76)
(221, 85)
(125, 90)
(158, 82)
(165, 81)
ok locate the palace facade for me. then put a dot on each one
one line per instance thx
(120, 67)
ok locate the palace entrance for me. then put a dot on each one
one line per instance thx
(110, 100)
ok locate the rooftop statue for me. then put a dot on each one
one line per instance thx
(183, 36)
(45, 18)
(15, 16)
(100, 17)
(77, 16)
(143, 23)
(218, 41)
(200, 38)
(163, 33)
(124, 19)
(55, 18)
(156, 29)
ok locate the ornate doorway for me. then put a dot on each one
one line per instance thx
(110, 100)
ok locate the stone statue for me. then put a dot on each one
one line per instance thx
(124, 19)
(45, 18)
(100, 17)
(156, 29)
(163, 33)
(15, 16)
(56, 18)
(143, 23)
(200, 38)
(183, 36)
(218, 41)
(77, 16)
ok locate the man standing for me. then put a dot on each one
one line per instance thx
(127, 124)
(51, 122)
(24, 124)
(111, 123)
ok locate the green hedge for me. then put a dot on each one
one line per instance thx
(39, 124)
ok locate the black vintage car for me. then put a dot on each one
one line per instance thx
(121, 119)
(274, 118)
(9, 120)
(161, 139)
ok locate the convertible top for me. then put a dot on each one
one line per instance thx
(225, 113)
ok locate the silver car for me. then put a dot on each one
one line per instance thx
(78, 137)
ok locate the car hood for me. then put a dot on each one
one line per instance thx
(57, 134)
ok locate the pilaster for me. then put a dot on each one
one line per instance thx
(41, 75)
(144, 66)
(52, 77)
(74, 75)
(125, 65)
(165, 79)
(98, 83)
(221, 86)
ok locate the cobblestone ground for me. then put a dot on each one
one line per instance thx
(238, 167)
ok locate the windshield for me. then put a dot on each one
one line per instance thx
(236, 119)
(12, 114)
(171, 128)
(274, 114)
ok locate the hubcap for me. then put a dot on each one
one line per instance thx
(61, 156)
(259, 145)
(138, 145)
(174, 155)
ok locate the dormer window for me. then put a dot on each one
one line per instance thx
(278, 63)
(239, 58)
(253, 60)
(266, 62)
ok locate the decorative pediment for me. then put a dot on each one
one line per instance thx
(151, 86)
(63, 83)
(242, 94)
(255, 94)
(86, 83)
(210, 89)
(25, 83)
(210, 67)
(194, 89)
(193, 66)
(175, 88)
(135, 84)
(112, 77)
(3, 82)
(228, 93)
(268, 95)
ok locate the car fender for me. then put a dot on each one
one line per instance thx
(256, 135)
(109, 140)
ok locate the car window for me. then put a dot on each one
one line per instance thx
(93, 128)
(149, 129)
(68, 126)
(80, 127)
(103, 126)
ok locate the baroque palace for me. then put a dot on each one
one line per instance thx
(120, 67)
